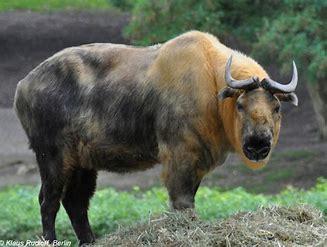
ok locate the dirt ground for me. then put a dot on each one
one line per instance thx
(27, 38)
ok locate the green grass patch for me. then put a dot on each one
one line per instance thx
(41, 5)
(277, 157)
(294, 155)
(279, 175)
(20, 218)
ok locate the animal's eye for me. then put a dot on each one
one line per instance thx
(277, 109)
(239, 107)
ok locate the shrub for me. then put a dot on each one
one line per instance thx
(156, 21)
(299, 34)
(125, 5)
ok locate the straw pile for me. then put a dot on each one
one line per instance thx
(272, 226)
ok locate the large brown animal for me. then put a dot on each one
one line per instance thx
(123, 108)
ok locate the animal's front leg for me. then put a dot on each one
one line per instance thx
(182, 179)
(182, 184)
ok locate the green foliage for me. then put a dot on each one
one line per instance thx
(156, 21)
(301, 154)
(41, 5)
(125, 5)
(300, 34)
(20, 218)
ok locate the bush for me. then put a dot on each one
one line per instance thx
(156, 21)
(299, 34)
(125, 5)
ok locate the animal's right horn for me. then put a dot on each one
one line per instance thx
(250, 83)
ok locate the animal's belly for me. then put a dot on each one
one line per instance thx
(117, 158)
(124, 163)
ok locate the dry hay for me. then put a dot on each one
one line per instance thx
(272, 226)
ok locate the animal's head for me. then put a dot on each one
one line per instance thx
(258, 115)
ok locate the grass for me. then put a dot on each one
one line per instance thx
(41, 5)
(295, 155)
(20, 218)
(283, 168)
(279, 175)
(277, 157)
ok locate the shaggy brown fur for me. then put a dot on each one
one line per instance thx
(123, 108)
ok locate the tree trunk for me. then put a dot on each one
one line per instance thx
(318, 93)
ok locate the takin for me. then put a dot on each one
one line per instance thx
(185, 104)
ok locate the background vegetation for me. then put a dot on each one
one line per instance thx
(51, 5)
(20, 218)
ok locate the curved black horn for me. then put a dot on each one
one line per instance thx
(238, 84)
(275, 86)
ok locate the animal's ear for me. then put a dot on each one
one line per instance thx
(288, 97)
(226, 93)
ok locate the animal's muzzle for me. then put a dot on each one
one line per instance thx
(257, 148)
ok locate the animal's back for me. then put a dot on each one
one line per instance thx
(103, 104)
(92, 103)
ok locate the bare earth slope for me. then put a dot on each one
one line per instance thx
(27, 38)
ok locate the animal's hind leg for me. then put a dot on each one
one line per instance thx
(80, 189)
(50, 193)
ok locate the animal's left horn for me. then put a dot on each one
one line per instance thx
(250, 83)
(276, 87)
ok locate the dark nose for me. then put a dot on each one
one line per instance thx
(257, 148)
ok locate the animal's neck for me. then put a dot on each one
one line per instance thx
(228, 116)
